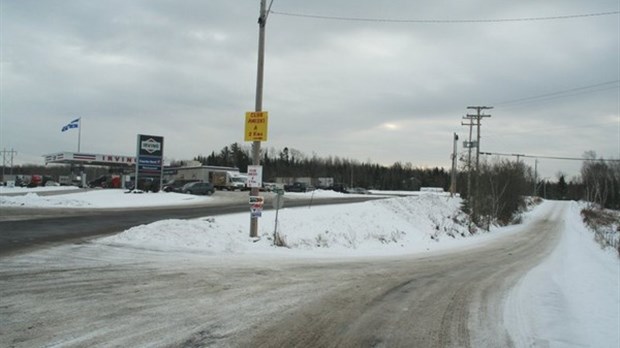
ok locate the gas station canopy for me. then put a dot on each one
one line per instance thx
(90, 158)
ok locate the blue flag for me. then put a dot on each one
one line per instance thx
(73, 124)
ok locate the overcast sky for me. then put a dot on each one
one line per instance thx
(377, 91)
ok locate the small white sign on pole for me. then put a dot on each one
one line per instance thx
(255, 176)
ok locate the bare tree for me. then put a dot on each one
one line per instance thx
(601, 181)
(502, 186)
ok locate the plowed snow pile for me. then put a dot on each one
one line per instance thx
(389, 226)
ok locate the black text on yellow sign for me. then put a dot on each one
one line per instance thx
(256, 125)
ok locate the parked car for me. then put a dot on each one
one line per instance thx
(198, 188)
(338, 188)
(144, 184)
(358, 190)
(98, 182)
(296, 187)
(176, 185)
(271, 186)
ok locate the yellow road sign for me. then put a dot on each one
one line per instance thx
(256, 125)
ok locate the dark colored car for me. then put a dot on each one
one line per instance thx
(338, 188)
(176, 185)
(296, 187)
(146, 184)
(198, 188)
(99, 182)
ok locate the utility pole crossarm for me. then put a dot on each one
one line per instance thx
(480, 107)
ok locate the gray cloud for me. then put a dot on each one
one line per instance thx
(384, 92)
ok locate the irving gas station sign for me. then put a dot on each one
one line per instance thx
(150, 157)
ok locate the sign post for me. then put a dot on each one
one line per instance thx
(278, 203)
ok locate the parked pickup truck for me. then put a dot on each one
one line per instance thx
(296, 187)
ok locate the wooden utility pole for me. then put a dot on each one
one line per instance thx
(262, 21)
(453, 174)
(477, 118)
(469, 146)
(535, 177)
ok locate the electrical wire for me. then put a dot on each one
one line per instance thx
(505, 133)
(560, 94)
(443, 21)
(549, 157)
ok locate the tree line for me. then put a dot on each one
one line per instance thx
(500, 188)
(289, 162)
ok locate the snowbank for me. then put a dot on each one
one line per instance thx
(108, 198)
(6, 189)
(572, 298)
(381, 227)
(118, 198)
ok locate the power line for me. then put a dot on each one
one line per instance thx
(563, 93)
(553, 129)
(443, 21)
(549, 157)
(542, 100)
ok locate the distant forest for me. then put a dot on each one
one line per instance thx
(599, 181)
(349, 172)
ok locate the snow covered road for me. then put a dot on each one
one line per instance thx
(445, 300)
(94, 295)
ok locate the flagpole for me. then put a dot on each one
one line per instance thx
(79, 132)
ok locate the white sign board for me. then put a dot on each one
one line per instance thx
(255, 176)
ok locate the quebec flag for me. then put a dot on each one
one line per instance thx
(73, 124)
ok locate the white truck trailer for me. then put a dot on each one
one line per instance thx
(230, 180)
(222, 178)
